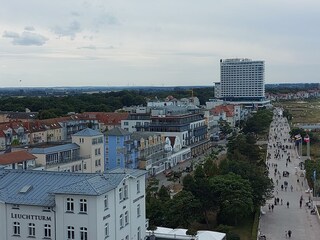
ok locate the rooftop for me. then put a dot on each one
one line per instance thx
(117, 132)
(88, 132)
(54, 149)
(16, 157)
(38, 187)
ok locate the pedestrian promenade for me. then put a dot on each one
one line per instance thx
(275, 222)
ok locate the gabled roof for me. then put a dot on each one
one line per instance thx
(117, 132)
(16, 157)
(144, 135)
(33, 187)
(88, 132)
(228, 109)
(96, 185)
(108, 118)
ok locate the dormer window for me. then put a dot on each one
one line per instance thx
(15, 206)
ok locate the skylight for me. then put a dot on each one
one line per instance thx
(25, 189)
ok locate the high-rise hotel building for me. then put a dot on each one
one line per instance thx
(241, 80)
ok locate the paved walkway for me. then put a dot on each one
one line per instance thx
(274, 224)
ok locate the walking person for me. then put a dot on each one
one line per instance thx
(272, 207)
(289, 233)
(288, 204)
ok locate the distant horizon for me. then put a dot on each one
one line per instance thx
(146, 86)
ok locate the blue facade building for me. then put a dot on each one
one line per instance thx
(121, 150)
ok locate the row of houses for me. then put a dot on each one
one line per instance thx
(312, 93)
(152, 138)
(31, 131)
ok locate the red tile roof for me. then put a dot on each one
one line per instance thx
(228, 109)
(108, 118)
(16, 157)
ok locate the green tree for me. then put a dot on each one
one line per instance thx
(163, 194)
(225, 127)
(259, 122)
(182, 210)
(234, 196)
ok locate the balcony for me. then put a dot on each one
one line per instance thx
(67, 160)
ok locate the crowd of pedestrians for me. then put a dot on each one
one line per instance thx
(281, 153)
(291, 199)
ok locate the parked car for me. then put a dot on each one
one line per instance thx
(168, 173)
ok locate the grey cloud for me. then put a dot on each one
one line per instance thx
(8, 34)
(92, 47)
(29, 28)
(68, 31)
(105, 19)
(75, 14)
(25, 38)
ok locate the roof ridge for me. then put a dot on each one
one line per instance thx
(91, 184)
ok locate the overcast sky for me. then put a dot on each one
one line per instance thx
(154, 42)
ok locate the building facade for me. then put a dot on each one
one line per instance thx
(60, 205)
(85, 154)
(241, 79)
(187, 124)
(121, 150)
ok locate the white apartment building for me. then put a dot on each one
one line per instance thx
(62, 205)
(241, 79)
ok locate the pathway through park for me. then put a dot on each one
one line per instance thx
(274, 223)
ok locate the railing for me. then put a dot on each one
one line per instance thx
(68, 160)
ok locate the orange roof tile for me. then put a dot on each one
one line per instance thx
(16, 157)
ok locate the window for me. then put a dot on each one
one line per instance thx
(105, 201)
(98, 162)
(106, 230)
(83, 206)
(70, 205)
(83, 233)
(126, 218)
(70, 232)
(120, 194)
(84, 166)
(118, 140)
(125, 191)
(46, 209)
(15, 206)
(32, 230)
(139, 234)
(138, 210)
(97, 151)
(125, 123)
(47, 231)
(121, 221)
(138, 186)
(16, 228)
